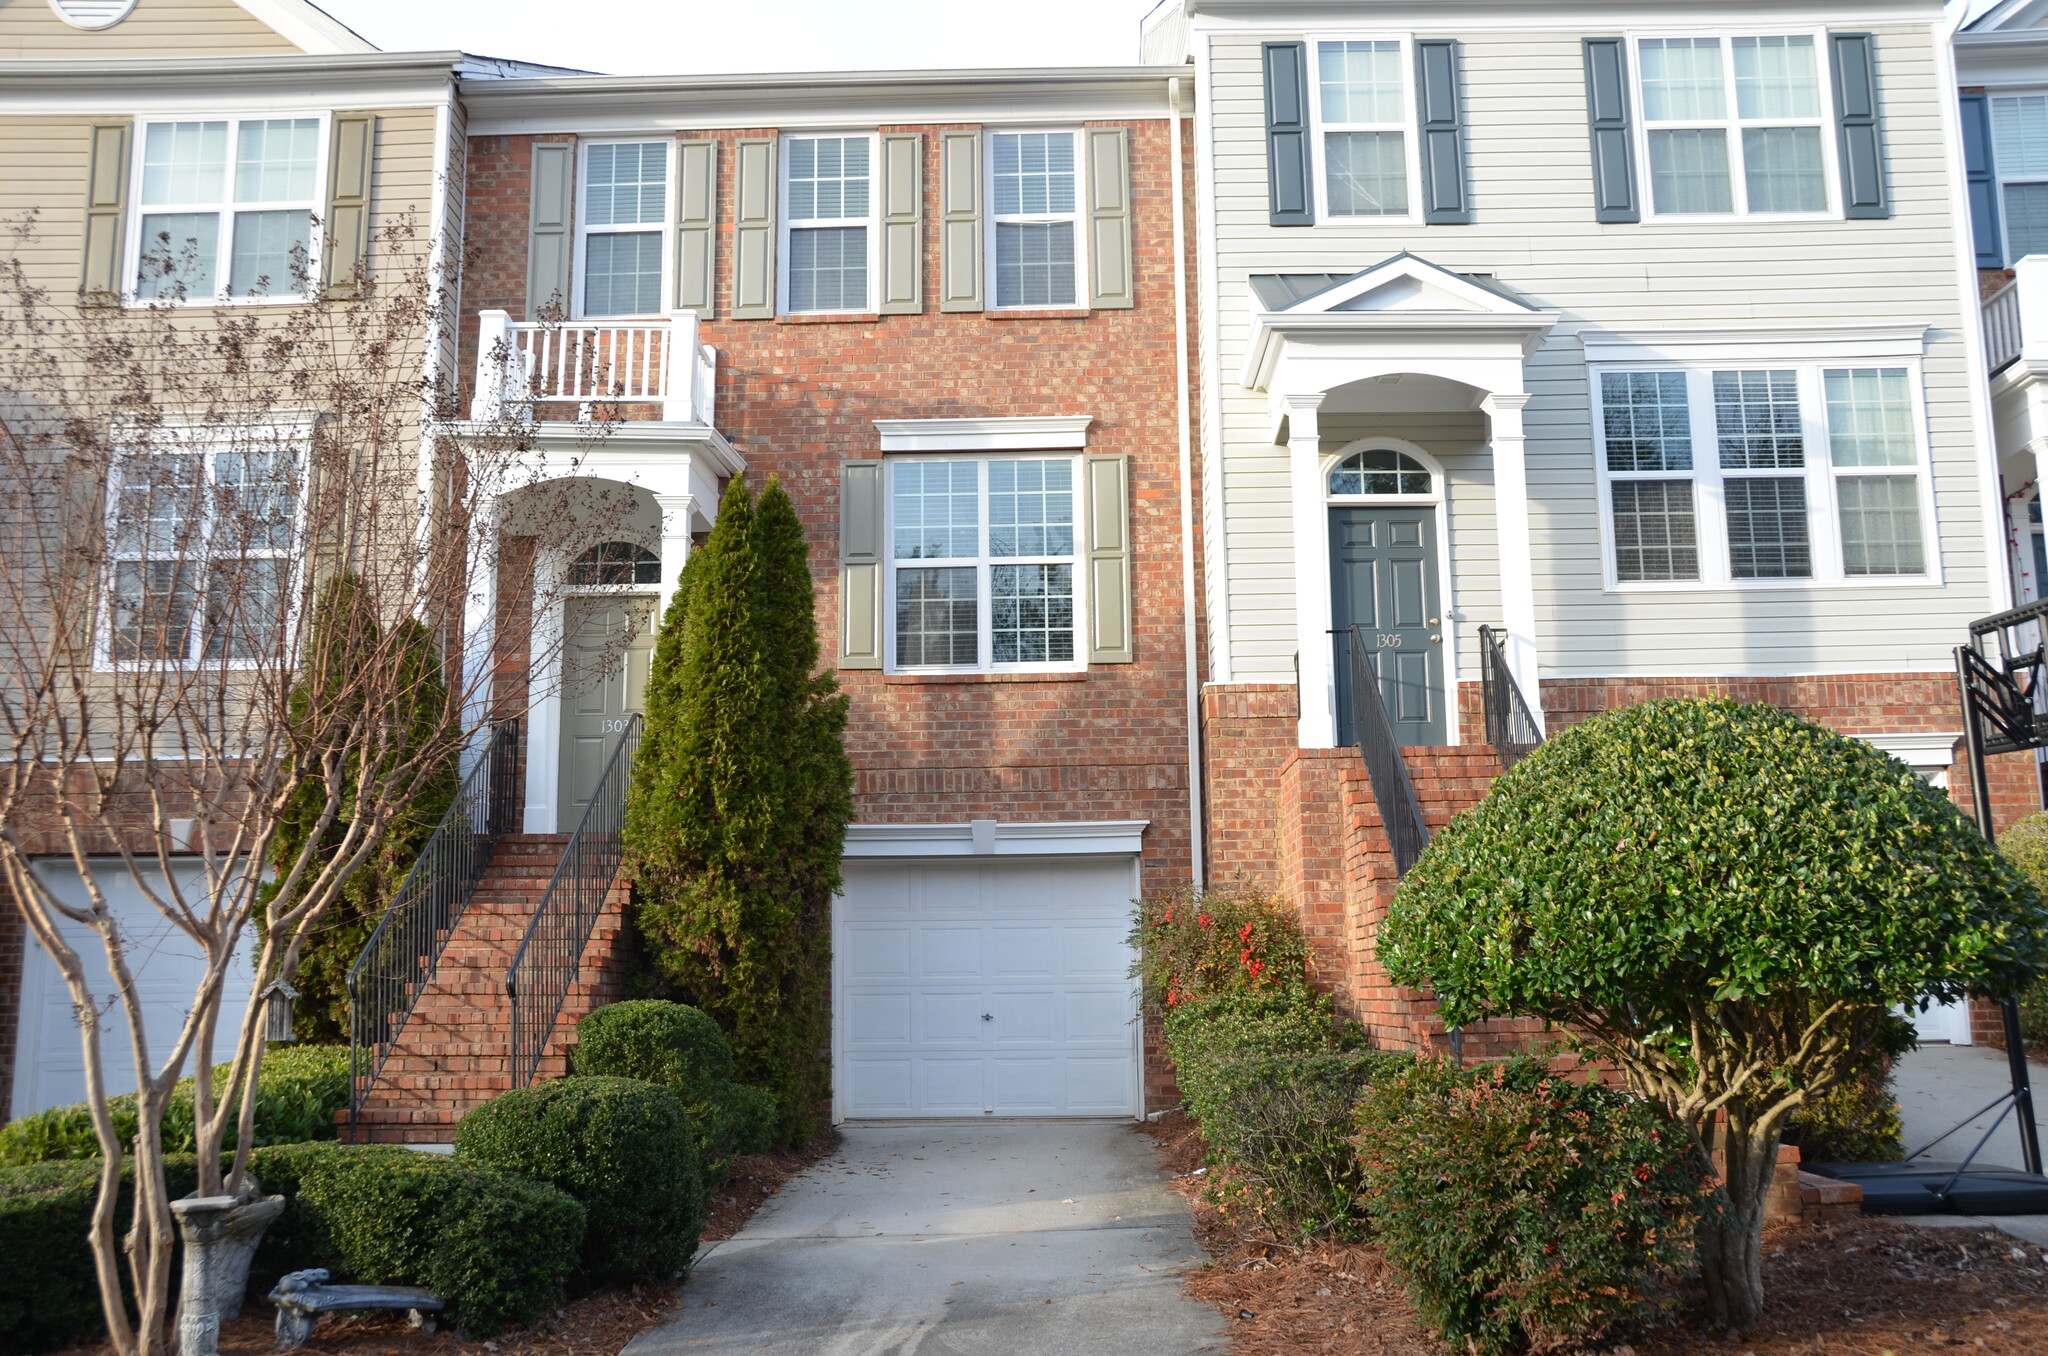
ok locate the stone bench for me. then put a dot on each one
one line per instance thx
(303, 1296)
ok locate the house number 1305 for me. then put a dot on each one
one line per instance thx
(1389, 640)
(613, 726)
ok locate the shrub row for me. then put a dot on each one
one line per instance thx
(682, 1049)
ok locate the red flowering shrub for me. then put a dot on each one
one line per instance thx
(1199, 944)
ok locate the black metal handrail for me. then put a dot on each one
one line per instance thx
(399, 960)
(551, 952)
(1400, 811)
(1510, 726)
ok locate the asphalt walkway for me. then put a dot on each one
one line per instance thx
(1937, 1085)
(1009, 1239)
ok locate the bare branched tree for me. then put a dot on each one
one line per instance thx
(184, 488)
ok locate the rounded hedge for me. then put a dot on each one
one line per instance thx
(666, 1043)
(622, 1147)
(1687, 850)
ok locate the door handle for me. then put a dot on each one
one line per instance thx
(1436, 640)
(988, 1016)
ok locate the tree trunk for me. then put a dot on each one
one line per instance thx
(1731, 1244)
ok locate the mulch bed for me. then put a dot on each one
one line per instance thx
(1865, 1287)
(595, 1325)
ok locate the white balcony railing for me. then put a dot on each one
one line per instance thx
(525, 367)
(2002, 339)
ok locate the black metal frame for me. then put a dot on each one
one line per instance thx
(551, 953)
(1400, 811)
(1510, 725)
(398, 962)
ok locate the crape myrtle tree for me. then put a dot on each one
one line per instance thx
(237, 549)
(1728, 903)
(740, 799)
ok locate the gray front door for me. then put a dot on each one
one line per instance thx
(1383, 578)
(604, 680)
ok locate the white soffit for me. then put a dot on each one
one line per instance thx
(991, 838)
(1037, 433)
(1830, 343)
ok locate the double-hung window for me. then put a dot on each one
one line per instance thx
(624, 220)
(1363, 114)
(225, 208)
(1759, 475)
(828, 208)
(2019, 150)
(201, 556)
(1734, 124)
(983, 560)
(1034, 191)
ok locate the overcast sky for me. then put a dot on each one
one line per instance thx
(654, 37)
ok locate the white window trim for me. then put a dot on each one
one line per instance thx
(785, 224)
(1410, 129)
(982, 563)
(1737, 167)
(2000, 178)
(209, 448)
(578, 266)
(1823, 510)
(132, 246)
(1079, 217)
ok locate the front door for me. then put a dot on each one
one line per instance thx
(1383, 579)
(604, 680)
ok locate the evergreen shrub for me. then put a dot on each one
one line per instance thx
(2026, 845)
(1523, 1209)
(622, 1147)
(1856, 1121)
(683, 1050)
(298, 1091)
(1192, 944)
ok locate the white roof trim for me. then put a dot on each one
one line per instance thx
(307, 27)
(1027, 434)
(1922, 750)
(1833, 343)
(990, 838)
(1483, 300)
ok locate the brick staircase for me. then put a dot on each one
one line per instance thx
(454, 1051)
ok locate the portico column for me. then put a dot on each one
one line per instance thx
(678, 513)
(1317, 728)
(480, 625)
(1517, 563)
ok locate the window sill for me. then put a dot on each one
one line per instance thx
(1048, 313)
(831, 318)
(1059, 676)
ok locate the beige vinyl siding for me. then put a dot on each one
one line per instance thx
(157, 28)
(1533, 229)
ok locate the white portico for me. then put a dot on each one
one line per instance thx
(1401, 339)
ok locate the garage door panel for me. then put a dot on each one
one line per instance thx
(875, 953)
(1026, 951)
(1094, 952)
(1025, 1017)
(950, 953)
(950, 1019)
(885, 1086)
(1098, 1018)
(1099, 1087)
(943, 890)
(1026, 1087)
(878, 1019)
(952, 1087)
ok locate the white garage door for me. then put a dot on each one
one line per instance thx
(49, 1065)
(996, 988)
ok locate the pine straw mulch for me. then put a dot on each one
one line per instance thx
(600, 1324)
(1862, 1287)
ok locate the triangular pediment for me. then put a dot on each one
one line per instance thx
(1402, 283)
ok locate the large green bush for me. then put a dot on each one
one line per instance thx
(298, 1091)
(740, 799)
(1196, 943)
(1521, 1208)
(622, 1147)
(2026, 844)
(1728, 903)
(683, 1050)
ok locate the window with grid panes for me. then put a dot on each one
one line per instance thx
(829, 207)
(1035, 201)
(225, 208)
(2019, 154)
(625, 215)
(1363, 113)
(1875, 456)
(1649, 431)
(983, 556)
(1734, 124)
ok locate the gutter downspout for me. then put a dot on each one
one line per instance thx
(1183, 411)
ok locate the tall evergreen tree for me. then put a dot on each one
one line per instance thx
(741, 794)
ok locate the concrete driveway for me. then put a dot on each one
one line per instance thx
(1013, 1239)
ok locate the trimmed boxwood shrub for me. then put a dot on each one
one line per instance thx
(298, 1091)
(683, 1050)
(622, 1147)
(1522, 1208)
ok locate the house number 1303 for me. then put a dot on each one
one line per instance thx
(613, 726)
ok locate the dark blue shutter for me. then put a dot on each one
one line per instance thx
(1863, 195)
(1614, 155)
(1287, 151)
(1443, 150)
(1983, 179)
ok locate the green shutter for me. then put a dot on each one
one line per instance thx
(753, 245)
(1614, 157)
(902, 223)
(1107, 497)
(1110, 282)
(1288, 200)
(696, 226)
(960, 221)
(549, 241)
(351, 165)
(860, 565)
(106, 204)
(1862, 151)
(1443, 133)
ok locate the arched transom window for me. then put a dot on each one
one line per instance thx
(1379, 470)
(616, 562)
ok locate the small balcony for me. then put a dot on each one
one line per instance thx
(549, 371)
